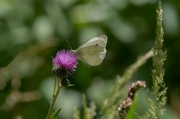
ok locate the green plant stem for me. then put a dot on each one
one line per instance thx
(55, 95)
(121, 82)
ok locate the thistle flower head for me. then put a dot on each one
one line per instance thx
(64, 63)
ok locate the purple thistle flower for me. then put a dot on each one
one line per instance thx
(64, 63)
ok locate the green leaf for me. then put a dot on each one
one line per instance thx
(131, 114)
(55, 114)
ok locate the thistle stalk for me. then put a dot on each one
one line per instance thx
(64, 64)
(55, 95)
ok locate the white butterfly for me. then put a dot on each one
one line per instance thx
(93, 51)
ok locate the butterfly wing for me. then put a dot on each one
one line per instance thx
(93, 51)
(101, 40)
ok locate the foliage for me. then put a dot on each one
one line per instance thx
(33, 31)
(120, 87)
(110, 104)
(159, 89)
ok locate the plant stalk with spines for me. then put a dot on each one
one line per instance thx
(159, 56)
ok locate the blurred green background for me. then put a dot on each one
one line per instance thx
(32, 31)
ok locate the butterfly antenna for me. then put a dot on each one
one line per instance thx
(67, 47)
(68, 44)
